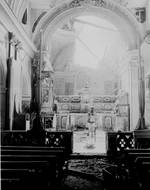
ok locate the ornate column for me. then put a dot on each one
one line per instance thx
(35, 78)
(137, 90)
(142, 133)
(46, 83)
(147, 87)
(134, 99)
(147, 101)
(141, 93)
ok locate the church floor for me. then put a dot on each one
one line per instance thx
(82, 142)
(84, 174)
(78, 183)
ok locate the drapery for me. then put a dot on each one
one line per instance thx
(15, 98)
(141, 93)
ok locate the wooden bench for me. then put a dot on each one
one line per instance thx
(145, 161)
(30, 165)
(143, 169)
(24, 177)
(23, 164)
(130, 171)
(133, 155)
(138, 161)
(137, 150)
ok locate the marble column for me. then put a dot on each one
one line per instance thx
(134, 85)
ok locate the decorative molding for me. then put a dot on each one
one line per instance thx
(37, 20)
(11, 23)
(78, 3)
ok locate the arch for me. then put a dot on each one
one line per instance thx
(107, 9)
(37, 20)
(129, 28)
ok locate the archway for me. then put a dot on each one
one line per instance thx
(117, 15)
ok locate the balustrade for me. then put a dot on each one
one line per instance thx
(119, 141)
(26, 138)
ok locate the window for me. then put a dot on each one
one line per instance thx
(140, 14)
(24, 18)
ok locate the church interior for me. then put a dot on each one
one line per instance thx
(75, 94)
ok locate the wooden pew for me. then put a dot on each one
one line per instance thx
(137, 150)
(138, 163)
(23, 149)
(23, 164)
(30, 165)
(23, 175)
(144, 161)
(133, 155)
(131, 170)
(143, 169)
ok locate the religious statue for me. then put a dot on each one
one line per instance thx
(91, 124)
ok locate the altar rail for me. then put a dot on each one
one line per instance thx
(55, 139)
(119, 141)
(116, 141)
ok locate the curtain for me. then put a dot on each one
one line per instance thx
(15, 98)
(141, 122)
(18, 86)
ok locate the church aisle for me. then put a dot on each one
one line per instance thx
(82, 142)
(78, 183)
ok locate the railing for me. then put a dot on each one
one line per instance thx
(56, 139)
(60, 139)
(119, 141)
(116, 141)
